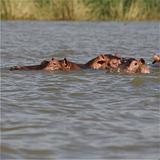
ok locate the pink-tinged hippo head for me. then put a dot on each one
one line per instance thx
(132, 65)
(53, 65)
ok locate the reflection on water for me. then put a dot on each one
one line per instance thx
(85, 114)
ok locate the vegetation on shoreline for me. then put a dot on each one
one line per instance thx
(80, 10)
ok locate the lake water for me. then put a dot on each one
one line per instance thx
(81, 115)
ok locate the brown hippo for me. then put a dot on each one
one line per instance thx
(106, 61)
(132, 65)
(52, 65)
(156, 61)
(44, 65)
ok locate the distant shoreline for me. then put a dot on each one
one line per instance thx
(80, 10)
(44, 20)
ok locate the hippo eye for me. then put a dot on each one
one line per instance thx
(54, 63)
(135, 64)
(101, 62)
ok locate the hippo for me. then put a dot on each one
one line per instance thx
(104, 62)
(51, 65)
(156, 61)
(132, 65)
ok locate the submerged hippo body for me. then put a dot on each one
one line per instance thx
(32, 67)
(70, 66)
(132, 65)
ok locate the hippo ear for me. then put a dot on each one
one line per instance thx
(66, 62)
(52, 58)
(102, 56)
(142, 61)
(153, 62)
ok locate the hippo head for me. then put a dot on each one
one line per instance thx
(98, 62)
(135, 66)
(156, 59)
(15, 68)
(53, 65)
(113, 62)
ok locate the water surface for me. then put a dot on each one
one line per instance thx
(80, 115)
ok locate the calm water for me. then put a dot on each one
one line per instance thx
(80, 115)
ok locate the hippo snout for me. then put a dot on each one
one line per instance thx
(145, 70)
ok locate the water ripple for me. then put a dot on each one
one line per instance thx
(87, 114)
